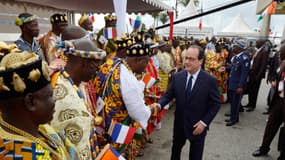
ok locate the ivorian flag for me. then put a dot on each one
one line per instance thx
(268, 11)
(109, 153)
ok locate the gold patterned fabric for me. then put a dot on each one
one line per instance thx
(13, 146)
(114, 106)
(215, 64)
(71, 115)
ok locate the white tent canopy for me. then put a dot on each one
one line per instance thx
(100, 6)
(190, 27)
(9, 10)
(238, 27)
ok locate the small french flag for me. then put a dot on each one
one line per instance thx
(109, 153)
(110, 33)
(120, 133)
(135, 23)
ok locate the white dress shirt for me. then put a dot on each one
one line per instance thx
(133, 97)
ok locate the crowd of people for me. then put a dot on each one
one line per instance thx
(76, 94)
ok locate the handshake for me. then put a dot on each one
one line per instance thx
(154, 108)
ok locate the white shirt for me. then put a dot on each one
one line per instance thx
(133, 97)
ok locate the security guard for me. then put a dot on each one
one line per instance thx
(237, 79)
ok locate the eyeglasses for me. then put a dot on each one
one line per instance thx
(191, 59)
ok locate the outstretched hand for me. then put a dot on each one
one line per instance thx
(155, 108)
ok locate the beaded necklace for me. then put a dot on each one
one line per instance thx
(56, 144)
(128, 67)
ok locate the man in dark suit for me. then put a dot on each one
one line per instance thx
(237, 79)
(257, 72)
(197, 103)
(277, 109)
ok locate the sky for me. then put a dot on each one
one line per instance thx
(217, 20)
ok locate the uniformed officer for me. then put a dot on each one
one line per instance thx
(237, 79)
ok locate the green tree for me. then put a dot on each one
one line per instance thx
(163, 17)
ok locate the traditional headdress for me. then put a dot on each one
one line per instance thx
(138, 37)
(240, 42)
(202, 41)
(124, 42)
(100, 54)
(110, 18)
(58, 18)
(22, 73)
(139, 48)
(221, 41)
(25, 18)
(5, 49)
(82, 19)
(70, 50)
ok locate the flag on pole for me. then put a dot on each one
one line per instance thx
(271, 8)
(268, 11)
(109, 153)
(110, 33)
(120, 133)
(171, 19)
(135, 23)
(92, 18)
(200, 24)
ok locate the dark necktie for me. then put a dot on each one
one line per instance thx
(189, 86)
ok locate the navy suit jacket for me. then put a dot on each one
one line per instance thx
(239, 72)
(203, 103)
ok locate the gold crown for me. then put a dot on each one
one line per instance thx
(82, 19)
(21, 73)
(110, 18)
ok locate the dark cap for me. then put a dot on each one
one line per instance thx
(58, 18)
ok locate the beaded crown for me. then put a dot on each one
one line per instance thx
(22, 73)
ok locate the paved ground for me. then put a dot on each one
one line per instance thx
(222, 143)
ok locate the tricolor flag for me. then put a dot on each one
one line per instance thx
(120, 133)
(138, 134)
(135, 23)
(110, 33)
(269, 10)
(148, 80)
(109, 153)
(142, 27)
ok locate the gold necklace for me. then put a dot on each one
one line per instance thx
(128, 67)
(29, 136)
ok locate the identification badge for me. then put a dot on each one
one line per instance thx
(99, 105)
